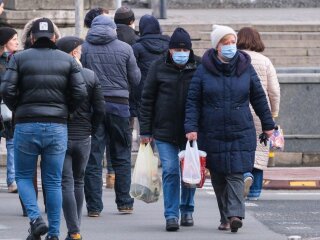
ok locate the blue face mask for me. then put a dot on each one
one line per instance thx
(228, 51)
(180, 58)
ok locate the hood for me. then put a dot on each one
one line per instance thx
(102, 31)
(27, 30)
(239, 63)
(149, 25)
(155, 43)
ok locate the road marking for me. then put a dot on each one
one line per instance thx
(211, 193)
(303, 184)
(3, 227)
(250, 204)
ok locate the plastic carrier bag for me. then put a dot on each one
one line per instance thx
(193, 163)
(146, 182)
(277, 139)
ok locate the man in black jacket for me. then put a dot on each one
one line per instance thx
(42, 85)
(82, 123)
(162, 118)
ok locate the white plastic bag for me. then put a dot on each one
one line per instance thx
(5, 112)
(191, 172)
(146, 182)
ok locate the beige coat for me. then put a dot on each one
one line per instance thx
(270, 84)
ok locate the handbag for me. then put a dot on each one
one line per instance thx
(193, 175)
(5, 112)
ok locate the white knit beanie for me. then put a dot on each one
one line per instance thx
(218, 32)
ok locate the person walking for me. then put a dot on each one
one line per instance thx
(10, 44)
(151, 46)
(110, 176)
(218, 115)
(81, 124)
(249, 40)
(161, 119)
(124, 19)
(41, 98)
(114, 63)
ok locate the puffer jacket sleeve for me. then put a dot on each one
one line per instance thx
(77, 87)
(273, 89)
(259, 101)
(134, 74)
(193, 105)
(9, 84)
(149, 95)
(98, 104)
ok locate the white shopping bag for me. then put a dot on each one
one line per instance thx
(146, 182)
(191, 171)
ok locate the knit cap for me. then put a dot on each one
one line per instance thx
(180, 39)
(218, 32)
(6, 33)
(124, 15)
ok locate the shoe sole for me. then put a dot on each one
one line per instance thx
(247, 184)
(172, 228)
(126, 211)
(186, 224)
(235, 225)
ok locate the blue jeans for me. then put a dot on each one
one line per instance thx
(50, 141)
(10, 161)
(116, 129)
(171, 182)
(256, 187)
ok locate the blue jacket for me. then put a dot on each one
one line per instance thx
(112, 60)
(218, 109)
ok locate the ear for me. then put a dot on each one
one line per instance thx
(54, 38)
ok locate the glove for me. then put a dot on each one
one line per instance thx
(263, 139)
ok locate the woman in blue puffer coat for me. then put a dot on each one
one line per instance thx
(218, 115)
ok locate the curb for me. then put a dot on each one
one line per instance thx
(291, 184)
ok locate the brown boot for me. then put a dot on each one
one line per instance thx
(110, 180)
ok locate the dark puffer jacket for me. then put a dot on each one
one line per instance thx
(163, 100)
(148, 48)
(218, 109)
(111, 59)
(42, 84)
(86, 119)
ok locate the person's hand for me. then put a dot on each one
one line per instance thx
(268, 133)
(145, 139)
(192, 136)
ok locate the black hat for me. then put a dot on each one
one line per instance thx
(42, 27)
(69, 43)
(6, 33)
(124, 15)
(180, 39)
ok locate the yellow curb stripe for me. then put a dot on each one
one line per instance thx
(303, 184)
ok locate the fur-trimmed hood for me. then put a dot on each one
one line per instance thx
(27, 29)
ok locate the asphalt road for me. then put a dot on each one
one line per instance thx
(276, 215)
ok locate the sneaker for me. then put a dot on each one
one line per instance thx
(37, 228)
(186, 220)
(110, 178)
(93, 214)
(74, 236)
(125, 209)
(247, 184)
(12, 188)
(51, 238)
(172, 225)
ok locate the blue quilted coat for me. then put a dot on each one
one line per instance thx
(218, 109)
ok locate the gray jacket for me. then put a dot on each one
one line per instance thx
(112, 60)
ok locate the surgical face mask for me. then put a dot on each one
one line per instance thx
(228, 51)
(180, 58)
